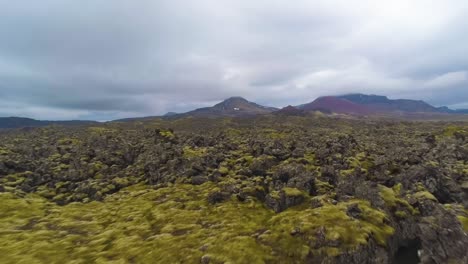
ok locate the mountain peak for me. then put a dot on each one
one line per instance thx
(233, 103)
(290, 111)
(236, 98)
(232, 106)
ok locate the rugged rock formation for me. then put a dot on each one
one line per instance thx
(288, 189)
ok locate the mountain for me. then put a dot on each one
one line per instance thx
(290, 111)
(363, 104)
(333, 104)
(19, 122)
(170, 114)
(234, 106)
(445, 109)
(379, 103)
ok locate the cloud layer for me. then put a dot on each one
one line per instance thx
(103, 59)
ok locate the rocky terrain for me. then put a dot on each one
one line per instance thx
(275, 188)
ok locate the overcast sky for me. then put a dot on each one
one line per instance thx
(107, 59)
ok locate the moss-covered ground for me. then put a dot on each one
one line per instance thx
(176, 224)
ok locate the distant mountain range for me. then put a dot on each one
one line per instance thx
(362, 104)
(349, 104)
(20, 122)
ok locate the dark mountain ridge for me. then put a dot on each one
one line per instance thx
(379, 103)
(19, 122)
(332, 104)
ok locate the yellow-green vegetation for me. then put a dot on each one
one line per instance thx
(16, 179)
(401, 214)
(425, 195)
(308, 161)
(68, 141)
(347, 232)
(274, 134)
(391, 198)
(293, 192)
(167, 134)
(191, 153)
(176, 225)
(464, 221)
(359, 161)
(4, 151)
(223, 170)
(347, 172)
(450, 131)
(101, 130)
(323, 187)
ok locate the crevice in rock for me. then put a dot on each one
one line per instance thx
(408, 252)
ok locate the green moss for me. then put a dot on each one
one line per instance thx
(4, 151)
(68, 141)
(170, 225)
(61, 167)
(397, 188)
(274, 134)
(323, 187)
(292, 192)
(54, 157)
(13, 180)
(451, 130)
(167, 134)
(347, 232)
(223, 170)
(401, 214)
(464, 221)
(191, 153)
(347, 172)
(392, 200)
(425, 195)
(464, 185)
(275, 195)
(359, 161)
(101, 130)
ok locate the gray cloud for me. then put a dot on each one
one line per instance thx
(105, 59)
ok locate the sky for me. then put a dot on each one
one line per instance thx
(110, 59)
